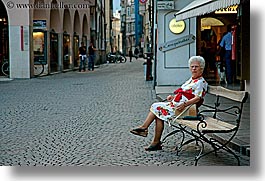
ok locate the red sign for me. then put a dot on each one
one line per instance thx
(143, 1)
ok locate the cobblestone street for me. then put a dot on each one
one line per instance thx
(84, 119)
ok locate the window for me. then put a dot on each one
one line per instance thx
(128, 11)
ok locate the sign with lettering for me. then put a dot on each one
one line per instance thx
(177, 43)
(176, 26)
(164, 5)
(230, 9)
(39, 24)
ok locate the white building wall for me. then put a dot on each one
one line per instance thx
(19, 41)
(21, 60)
(172, 65)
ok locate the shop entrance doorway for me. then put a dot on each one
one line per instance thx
(54, 65)
(75, 48)
(66, 51)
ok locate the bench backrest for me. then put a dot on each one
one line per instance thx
(239, 96)
(227, 109)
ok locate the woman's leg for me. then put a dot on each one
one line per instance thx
(159, 127)
(156, 144)
(149, 119)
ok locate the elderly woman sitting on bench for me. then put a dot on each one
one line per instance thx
(191, 92)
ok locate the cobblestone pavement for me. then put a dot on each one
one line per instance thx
(84, 119)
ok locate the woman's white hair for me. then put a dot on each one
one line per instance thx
(199, 59)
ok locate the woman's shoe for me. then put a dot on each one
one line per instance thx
(140, 131)
(154, 147)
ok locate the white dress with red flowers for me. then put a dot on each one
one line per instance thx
(165, 110)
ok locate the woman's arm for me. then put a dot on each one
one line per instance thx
(194, 100)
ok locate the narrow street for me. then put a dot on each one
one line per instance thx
(84, 119)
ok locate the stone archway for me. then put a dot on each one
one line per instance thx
(67, 32)
(55, 23)
(77, 34)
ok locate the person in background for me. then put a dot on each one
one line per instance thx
(191, 92)
(82, 55)
(91, 58)
(130, 54)
(226, 43)
(136, 52)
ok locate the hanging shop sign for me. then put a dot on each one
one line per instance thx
(176, 26)
(177, 43)
(228, 10)
(39, 24)
(165, 5)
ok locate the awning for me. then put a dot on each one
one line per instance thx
(201, 7)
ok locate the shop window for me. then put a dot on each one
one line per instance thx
(39, 42)
(76, 47)
(66, 50)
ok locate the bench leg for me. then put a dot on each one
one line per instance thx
(216, 145)
(170, 134)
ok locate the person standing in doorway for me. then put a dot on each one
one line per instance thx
(91, 58)
(82, 55)
(226, 43)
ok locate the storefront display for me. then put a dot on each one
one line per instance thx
(76, 47)
(54, 66)
(66, 50)
(39, 46)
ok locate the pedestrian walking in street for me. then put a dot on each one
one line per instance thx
(130, 54)
(91, 58)
(82, 55)
(136, 53)
(226, 43)
(191, 92)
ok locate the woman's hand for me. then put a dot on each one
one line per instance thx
(170, 97)
(181, 106)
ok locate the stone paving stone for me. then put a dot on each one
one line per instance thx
(84, 120)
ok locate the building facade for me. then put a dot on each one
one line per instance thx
(50, 31)
(116, 32)
(183, 32)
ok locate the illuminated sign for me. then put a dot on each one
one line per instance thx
(176, 26)
(39, 24)
(230, 9)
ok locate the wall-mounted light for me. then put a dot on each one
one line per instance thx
(2, 19)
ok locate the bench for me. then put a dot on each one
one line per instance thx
(217, 118)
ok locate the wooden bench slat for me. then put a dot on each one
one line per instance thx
(212, 124)
(239, 96)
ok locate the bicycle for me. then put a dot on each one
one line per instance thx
(5, 67)
(38, 67)
(120, 58)
(116, 57)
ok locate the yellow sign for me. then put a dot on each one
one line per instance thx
(176, 26)
(231, 9)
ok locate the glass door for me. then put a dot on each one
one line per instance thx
(54, 64)
(66, 50)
